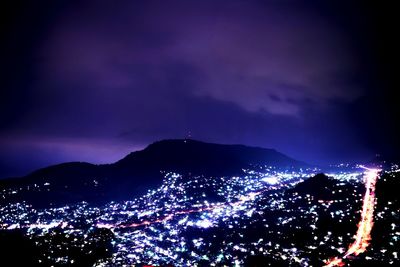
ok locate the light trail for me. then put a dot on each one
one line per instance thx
(363, 235)
(167, 218)
(242, 199)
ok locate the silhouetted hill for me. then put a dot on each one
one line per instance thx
(319, 186)
(322, 187)
(197, 157)
(139, 171)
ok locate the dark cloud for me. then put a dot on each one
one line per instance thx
(94, 80)
(241, 53)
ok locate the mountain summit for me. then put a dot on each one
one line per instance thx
(198, 157)
(140, 171)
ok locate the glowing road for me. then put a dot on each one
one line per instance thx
(242, 199)
(363, 235)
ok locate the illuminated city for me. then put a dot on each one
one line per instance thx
(221, 221)
(188, 133)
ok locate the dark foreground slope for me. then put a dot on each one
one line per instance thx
(137, 172)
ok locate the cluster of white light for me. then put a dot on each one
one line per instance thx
(152, 229)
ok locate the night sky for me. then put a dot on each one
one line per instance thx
(95, 80)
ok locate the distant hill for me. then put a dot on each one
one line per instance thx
(319, 186)
(139, 171)
(323, 187)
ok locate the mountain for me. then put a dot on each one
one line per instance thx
(137, 172)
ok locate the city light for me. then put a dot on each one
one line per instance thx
(220, 220)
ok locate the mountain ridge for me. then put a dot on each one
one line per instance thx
(141, 170)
